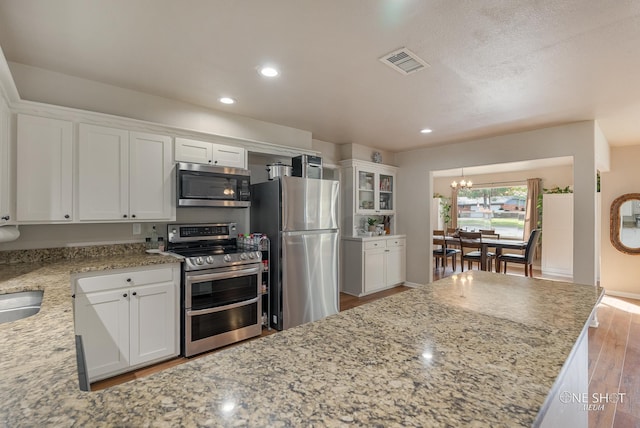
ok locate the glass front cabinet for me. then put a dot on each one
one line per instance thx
(368, 191)
(375, 189)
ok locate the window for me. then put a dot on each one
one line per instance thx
(498, 208)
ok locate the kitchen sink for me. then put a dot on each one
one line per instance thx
(15, 306)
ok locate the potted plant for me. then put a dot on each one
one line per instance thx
(372, 224)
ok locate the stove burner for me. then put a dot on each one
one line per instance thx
(205, 247)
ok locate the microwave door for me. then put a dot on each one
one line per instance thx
(201, 185)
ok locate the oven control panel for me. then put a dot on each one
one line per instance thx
(199, 232)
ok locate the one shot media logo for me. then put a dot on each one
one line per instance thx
(595, 401)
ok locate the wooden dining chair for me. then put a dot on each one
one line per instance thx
(490, 233)
(471, 247)
(452, 231)
(525, 259)
(442, 253)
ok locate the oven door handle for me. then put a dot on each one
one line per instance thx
(221, 308)
(223, 275)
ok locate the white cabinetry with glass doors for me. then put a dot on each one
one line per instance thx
(368, 191)
(375, 188)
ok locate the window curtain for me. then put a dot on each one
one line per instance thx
(454, 208)
(534, 186)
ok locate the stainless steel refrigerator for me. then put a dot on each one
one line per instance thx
(300, 217)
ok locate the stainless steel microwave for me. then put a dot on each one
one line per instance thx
(212, 186)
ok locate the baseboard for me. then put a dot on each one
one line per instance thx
(635, 296)
(412, 284)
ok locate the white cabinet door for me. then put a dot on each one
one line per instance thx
(103, 173)
(153, 322)
(5, 175)
(150, 187)
(44, 169)
(123, 175)
(234, 157)
(396, 261)
(375, 191)
(193, 151)
(102, 319)
(374, 270)
(127, 319)
(210, 153)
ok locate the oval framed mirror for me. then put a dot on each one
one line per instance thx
(624, 223)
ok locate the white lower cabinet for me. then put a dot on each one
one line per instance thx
(127, 319)
(374, 264)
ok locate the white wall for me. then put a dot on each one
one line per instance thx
(360, 152)
(415, 187)
(620, 273)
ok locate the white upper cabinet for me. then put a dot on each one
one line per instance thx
(368, 189)
(5, 173)
(210, 153)
(123, 175)
(44, 187)
(150, 176)
(103, 173)
(235, 157)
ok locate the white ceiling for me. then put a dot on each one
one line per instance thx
(495, 66)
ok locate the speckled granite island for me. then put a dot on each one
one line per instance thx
(485, 351)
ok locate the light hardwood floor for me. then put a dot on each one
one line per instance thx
(614, 356)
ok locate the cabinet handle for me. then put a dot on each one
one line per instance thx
(210, 161)
(134, 293)
(124, 295)
(124, 216)
(128, 279)
(215, 162)
(6, 217)
(133, 216)
(67, 216)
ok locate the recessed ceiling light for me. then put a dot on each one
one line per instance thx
(227, 100)
(269, 71)
(426, 131)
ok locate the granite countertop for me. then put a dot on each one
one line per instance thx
(485, 352)
(372, 238)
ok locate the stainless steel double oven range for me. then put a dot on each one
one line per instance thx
(220, 293)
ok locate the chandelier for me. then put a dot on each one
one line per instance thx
(464, 184)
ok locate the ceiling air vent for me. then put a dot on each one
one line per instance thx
(404, 61)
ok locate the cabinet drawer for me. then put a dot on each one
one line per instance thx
(124, 279)
(396, 242)
(370, 245)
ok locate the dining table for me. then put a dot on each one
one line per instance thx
(483, 245)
